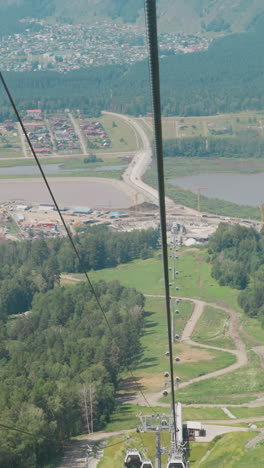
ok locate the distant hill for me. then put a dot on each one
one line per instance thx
(174, 15)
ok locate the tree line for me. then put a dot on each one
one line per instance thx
(228, 77)
(29, 267)
(215, 147)
(237, 257)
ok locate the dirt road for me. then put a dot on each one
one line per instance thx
(240, 352)
(75, 454)
(142, 160)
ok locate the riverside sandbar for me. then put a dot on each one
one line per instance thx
(70, 191)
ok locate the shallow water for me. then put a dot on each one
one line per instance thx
(68, 192)
(243, 189)
(54, 169)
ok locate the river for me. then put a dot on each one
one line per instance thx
(243, 189)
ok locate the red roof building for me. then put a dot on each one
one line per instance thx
(34, 111)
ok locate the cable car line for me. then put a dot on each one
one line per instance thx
(151, 28)
(10, 428)
(152, 41)
(69, 235)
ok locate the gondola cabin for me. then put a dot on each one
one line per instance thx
(176, 462)
(147, 464)
(133, 459)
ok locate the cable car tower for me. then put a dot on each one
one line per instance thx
(164, 423)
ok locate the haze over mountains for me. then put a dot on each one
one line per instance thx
(174, 15)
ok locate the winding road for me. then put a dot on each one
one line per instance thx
(133, 179)
(140, 163)
(240, 352)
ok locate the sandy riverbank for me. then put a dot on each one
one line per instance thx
(83, 191)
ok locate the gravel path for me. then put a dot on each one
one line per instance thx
(240, 352)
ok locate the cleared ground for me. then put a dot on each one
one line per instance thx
(250, 122)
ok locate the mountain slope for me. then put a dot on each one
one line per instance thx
(174, 15)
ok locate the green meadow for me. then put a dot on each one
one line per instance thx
(194, 280)
(212, 329)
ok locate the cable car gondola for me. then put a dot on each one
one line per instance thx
(133, 459)
(147, 464)
(176, 461)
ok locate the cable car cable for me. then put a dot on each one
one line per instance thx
(151, 27)
(64, 223)
(4, 426)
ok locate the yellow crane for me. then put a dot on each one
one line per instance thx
(136, 194)
(198, 194)
(199, 197)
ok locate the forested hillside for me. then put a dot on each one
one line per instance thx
(229, 77)
(174, 15)
(237, 256)
(27, 268)
(59, 368)
(60, 362)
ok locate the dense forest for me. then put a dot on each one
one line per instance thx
(60, 362)
(226, 78)
(27, 268)
(215, 147)
(237, 256)
(12, 12)
(60, 367)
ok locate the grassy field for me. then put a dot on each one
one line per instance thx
(248, 412)
(212, 329)
(197, 452)
(252, 328)
(234, 387)
(221, 124)
(10, 153)
(122, 130)
(194, 281)
(154, 363)
(229, 452)
(181, 167)
(122, 135)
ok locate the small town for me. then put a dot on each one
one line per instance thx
(66, 47)
(53, 134)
